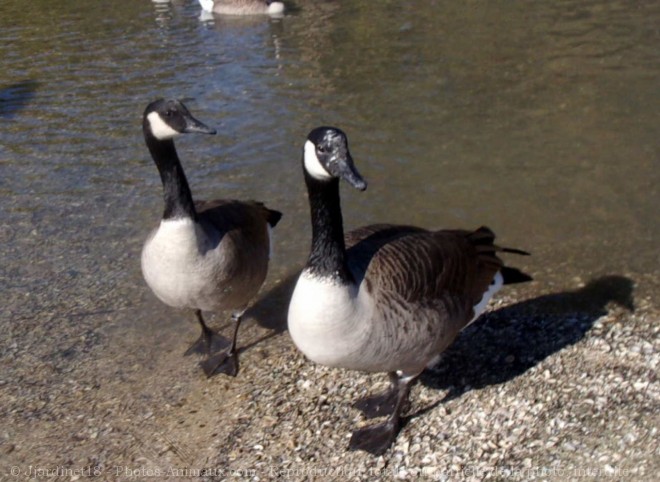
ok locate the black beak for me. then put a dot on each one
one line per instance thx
(350, 174)
(193, 125)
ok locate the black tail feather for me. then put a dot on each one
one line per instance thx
(483, 240)
(514, 275)
(273, 217)
(484, 233)
(515, 251)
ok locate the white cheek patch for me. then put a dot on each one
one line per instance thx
(159, 128)
(312, 164)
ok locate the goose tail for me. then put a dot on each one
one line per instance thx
(273, 217)
(484, 239)
(514, 275)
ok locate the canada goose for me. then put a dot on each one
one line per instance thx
(394, 300)
(204, 255)
(243, 7)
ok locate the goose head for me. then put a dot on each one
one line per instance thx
(168, 118)
(326, 157)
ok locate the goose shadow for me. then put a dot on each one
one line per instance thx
(270, 310)
(16, 96)
(507, 342)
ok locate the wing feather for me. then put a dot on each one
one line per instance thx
(453, 268)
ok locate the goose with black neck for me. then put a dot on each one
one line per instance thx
(384, 298)
(203, 255)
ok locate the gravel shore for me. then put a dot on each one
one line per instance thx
(557, 386)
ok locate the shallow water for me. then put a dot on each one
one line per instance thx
(538, 119)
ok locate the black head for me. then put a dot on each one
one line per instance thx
(326, 156)
(167, 118)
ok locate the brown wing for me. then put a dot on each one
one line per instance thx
(223, 212)
(239, 235)
(420, 266)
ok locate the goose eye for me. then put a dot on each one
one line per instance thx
(168, 113)
(321, 149)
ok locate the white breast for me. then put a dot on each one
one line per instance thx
(326, 320)
(173, 265)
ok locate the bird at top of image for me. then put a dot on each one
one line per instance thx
(243, 7)
(203, 255)
(384, 298)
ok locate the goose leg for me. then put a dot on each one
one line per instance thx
(208, 340)
(225, 361)
(376, 439)
(382, 403)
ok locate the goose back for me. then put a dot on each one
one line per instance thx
(424, 286)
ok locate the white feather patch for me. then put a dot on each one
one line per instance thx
(207, 5)
(159, 128)
(275, 8)
(312, 164)
(494, 287)
(270, 241)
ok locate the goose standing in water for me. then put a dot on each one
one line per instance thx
(204, 255)
(384, 298)
(243, 7)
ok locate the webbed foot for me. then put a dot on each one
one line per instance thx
(222, 362)
(375, 439)
(207, 343)
(377, 405)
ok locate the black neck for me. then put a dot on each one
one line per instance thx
(328, 255)
(178, 198)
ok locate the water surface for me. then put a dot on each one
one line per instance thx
(536, 119)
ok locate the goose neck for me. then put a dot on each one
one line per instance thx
(176, 192)
(328, 255)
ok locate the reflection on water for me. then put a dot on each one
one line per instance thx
(537, 119)
(13, 97)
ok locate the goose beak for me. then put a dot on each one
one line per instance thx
(350, 174)
(193, 125)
